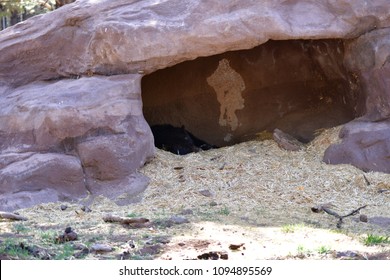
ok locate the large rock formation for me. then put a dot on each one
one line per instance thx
(71, 121)
(69, 138)
(366, 141)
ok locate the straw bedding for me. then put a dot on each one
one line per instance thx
(260, 182)
(244, 193)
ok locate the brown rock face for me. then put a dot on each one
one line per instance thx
(40, 178)
(63, 139)
(297, 86)
(366, 141)
(120, 37)
(364, 144)
(71, 119)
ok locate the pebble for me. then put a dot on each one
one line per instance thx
(206, 193)
(213, 203)
(179, 220)
(347, 254)
(86, 209)
(363, 218)
(101, 248)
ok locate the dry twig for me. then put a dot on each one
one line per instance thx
(333, 213)
(115, 219)
(12, 216)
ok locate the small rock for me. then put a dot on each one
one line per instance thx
(206, 193)
(213, 256)
(236, 246)
(286, 141)
(64, 207)
(101, 248)
(150, 250)
(86, 209)
(179, 220)
(382, 191)
(363, 218)
(178, 167)
(213, 203)
(347, 254)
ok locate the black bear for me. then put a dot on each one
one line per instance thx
(177, 140)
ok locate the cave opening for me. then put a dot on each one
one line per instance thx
(297, 86)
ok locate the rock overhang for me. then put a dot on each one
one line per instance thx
(299, 86)
(120, 37)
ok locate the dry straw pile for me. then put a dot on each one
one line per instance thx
(258, 181)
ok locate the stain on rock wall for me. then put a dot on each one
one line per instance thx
(228, 86)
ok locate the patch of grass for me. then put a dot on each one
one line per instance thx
(66, 252)
(371, 240)
(323, 250)
(211, 214)
(288, 229)
(300, 249)
(133, 215)
(206, 214)
(15, 250)
(20, 228)
(291, 228)
(224, 211)
(303, 252)
(338, 231)
(48, 237)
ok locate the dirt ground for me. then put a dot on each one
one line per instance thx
(249, 201)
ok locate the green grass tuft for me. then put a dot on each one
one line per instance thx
(291, 228)
(323, 250)
(371, 240)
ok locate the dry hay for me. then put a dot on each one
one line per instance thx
(259, 182)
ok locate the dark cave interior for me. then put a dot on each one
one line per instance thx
(297, 86)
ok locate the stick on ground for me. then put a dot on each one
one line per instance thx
(121, 220)
(333, 213)
(12, 216)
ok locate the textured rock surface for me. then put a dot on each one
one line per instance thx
(298, 86)
(40, 178)
(113, 37)
(366, 142)
(366, 145)
(74, 137)
(369, 58)
(66, 128)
